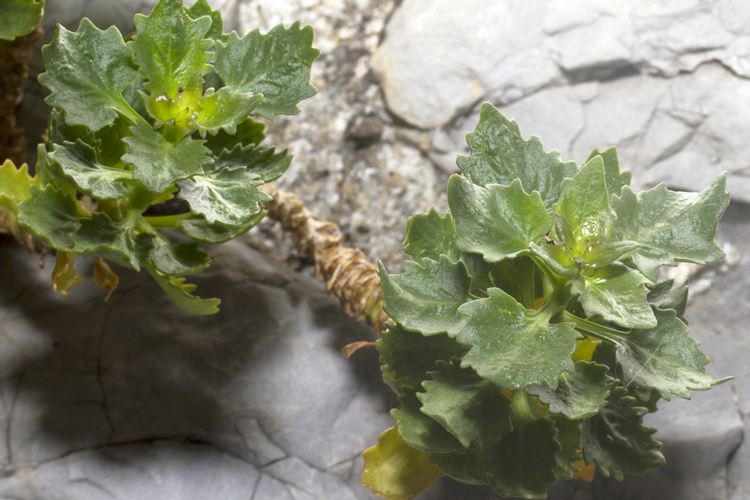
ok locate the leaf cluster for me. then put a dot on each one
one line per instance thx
(529, 334)
(163, 116)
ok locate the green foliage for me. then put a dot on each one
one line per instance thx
(529, 335)
(19, 17)
(166, 115)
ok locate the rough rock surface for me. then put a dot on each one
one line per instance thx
(667, 82)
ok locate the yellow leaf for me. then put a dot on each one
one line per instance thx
(585, 350)
(105, 277)
(64, 277)
(585, 472)
(396, 471)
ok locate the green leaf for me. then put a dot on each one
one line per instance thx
(102, 237)
(86, 71)
(202, 8)
(499, 155)
(607, 253)
(110, 147)
(410, 355)
(59, 131)
(81, 170)
(558, 258)
(665, 295)
(248, 132)
(615, 180)
(664, 359)
(227, 196)
(568, 432)
(200, 230)
(428, 235)
(468, 406)
(260, 161)
(498, 222)
(467, 467)
(522, 464)
(51, 215)
(617, 293)
(579, 394)
(178, 260)
(276, 65)
(671, 226)
(15, 185)
(395, 470)
(178, 112)
(427, 296)
(158, 163)
(179, 292)
(224, 110)
(19, 17)
(47, 174)
(617, 441)
(421, 431)
(513, 347)
(170, 48)
(584, 204)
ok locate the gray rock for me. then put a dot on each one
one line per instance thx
(671, 80)
(136, 399)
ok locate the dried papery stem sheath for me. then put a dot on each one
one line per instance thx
(14, 57)
(346, 272)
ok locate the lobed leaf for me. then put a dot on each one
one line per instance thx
(427, 296)
(170, 47)
(257, 160)
(86, 72)
(248, 132)
(199, 229)
(178, 260)
(77, 165)
(615, 180)
(569, 456)
(498, 222)
(665, 295)
(513, 347)
(671, 226)
(616, 293)
(522, 464)
(467, 467)
(179, 292)
(51, 215)
(395, 470)
(224, 110)
(227, 196)
(276, 65)
(100, 236)
(584, 204)
(158, 163)
(664, 359)
(579, 394)
(202, 8)
(499, 155)
(19, 17)
(616, 440)
(410, 355)
(468, 406)
(420, 430)
(15, 185)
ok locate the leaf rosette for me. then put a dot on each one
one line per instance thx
(529, 337)
(156, 133)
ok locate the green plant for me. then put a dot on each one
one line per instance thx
(165, 114)
(529, 333)
(19, 17)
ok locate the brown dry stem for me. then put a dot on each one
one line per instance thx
(346, 272)
(14, 57)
